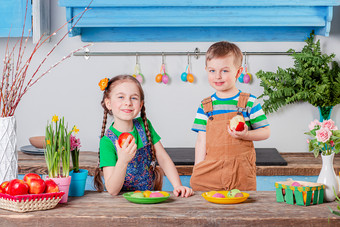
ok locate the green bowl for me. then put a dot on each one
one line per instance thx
(144, 200)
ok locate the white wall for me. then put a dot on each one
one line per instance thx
(71, 89)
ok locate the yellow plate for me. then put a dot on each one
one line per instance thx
(225, 200)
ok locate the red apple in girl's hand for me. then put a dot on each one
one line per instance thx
(37, 186)
(51, 186)
(123, 137)
(17, 187)
(29, 176)
(4, 187)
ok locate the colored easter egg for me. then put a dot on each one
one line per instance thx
(159, 78)
(137, 195)
(164, 193)
(233, 192)
(246, 78)
(156, 194)
(240, 78)
(238, 195)
(139, 77)
(134, 75)
(147, 193)
(296, 184)
(190, 78)
(218, 195)
(184, 77)
(165, 78)
(211, 193)
(137, 191)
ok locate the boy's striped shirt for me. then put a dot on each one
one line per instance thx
(253, 114)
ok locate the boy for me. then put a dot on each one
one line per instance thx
(225, 158)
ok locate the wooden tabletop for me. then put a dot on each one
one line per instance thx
(303, 164)
(102, 209)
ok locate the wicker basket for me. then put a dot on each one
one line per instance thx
(30, 202)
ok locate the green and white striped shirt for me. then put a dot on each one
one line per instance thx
(253, 114)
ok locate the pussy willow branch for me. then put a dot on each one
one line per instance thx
(12, 89)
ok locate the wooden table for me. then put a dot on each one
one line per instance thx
(102, 209)
(303, 164)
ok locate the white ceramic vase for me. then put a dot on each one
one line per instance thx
(328, 178)
(8, 152)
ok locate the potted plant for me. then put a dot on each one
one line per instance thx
(325, 140)
(57, 154)
(315, 78)
(78, 176)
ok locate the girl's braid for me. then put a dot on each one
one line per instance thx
(147, 131)
(98, 183)
(158, 171)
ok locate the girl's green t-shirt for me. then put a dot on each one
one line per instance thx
(108, 153)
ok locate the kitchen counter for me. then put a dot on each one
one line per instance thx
(102, 209)
(303, 164)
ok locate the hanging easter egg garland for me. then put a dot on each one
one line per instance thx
(245, 76)
(186, 75)
(162, 76)
(137, 74)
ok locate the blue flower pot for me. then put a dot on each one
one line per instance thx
(78, 182)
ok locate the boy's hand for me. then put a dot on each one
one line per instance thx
(239, 134)
(183, 191)
(127, 151)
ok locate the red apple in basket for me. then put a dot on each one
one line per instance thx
(237, 123)
(17, 187)
(51, 186)
(37, 186)
(4, 187)
(29, 176)
(123, 137)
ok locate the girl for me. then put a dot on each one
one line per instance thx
(132, 166)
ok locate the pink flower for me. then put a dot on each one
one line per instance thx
(329, 124)
(323, 134)
(74, 142)
(314, 123)
(308, 141)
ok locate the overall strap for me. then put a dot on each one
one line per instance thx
(242, 102)
(141, 132)
(207, 105)
(111, 136)
(143, 136)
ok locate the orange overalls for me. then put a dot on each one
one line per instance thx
(229, 162)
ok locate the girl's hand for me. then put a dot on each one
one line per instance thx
(183, 191)
(239, 134)
(127, 151)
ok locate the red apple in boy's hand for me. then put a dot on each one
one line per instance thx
(17, 187)
(123, 137)
(51, 186)
(37, 186)
(29, 176)
(4, 187)
(240, 126)
(237, 123)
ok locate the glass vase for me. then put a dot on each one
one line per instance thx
(325, 112)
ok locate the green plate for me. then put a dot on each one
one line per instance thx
(144, 200)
